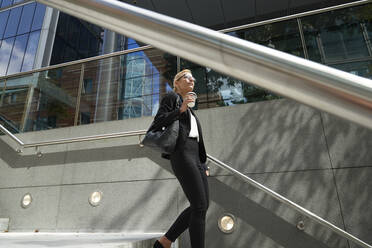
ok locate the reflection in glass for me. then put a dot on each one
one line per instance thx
(334, 36)
(5, 51)
(75, 39)
(3, 21)
(18, 1)
(215, 89)
(32, 44)
(283, 36)
(26, 18)
(13, 21)
(363, 68)
(53, 102)
(125, 86)
(38, 17)
(6, 3)
(12, 104)
(17, 54)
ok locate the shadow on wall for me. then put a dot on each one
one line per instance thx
(261, 219)
(223, 196)
(275, 137)
(272, 136)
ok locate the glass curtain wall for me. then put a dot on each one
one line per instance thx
(130, 85)
(19, 36)
(339, 39)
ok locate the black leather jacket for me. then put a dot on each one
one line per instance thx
(169, 111)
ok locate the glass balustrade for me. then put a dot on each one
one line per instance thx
(125, 86)
(52, 102)
(11, 106)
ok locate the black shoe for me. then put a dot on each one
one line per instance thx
(158, 244)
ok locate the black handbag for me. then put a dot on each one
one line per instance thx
(163, 140)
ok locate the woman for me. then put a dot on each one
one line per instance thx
(188, 161)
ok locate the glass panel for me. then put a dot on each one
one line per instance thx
(32, 44)
(215, 89)
(13, 21)
(125, 86)
(99, 89)
(38, 17)
(125, 43)
(334, 36)
(13, 103)
(75, 39)
(2, 88)
(53, 101)
(17, 54)
(18, 1)
(26, 18)
(283, 36)
(5, 51)
(365, 14)
(6, 3)
(132, 44)
(363, 68)
(3, 20)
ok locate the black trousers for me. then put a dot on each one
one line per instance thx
(191, 175)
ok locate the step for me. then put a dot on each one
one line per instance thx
(77, 240)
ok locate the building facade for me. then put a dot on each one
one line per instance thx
(130, 85)
(114, 83)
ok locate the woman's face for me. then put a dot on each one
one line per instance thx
(186, 83)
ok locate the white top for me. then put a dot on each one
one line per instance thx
(194, 127)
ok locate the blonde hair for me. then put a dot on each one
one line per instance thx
(178, 77)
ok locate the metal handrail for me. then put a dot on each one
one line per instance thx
(146, 47)
(290, 203)
(328, 89)
(222, 165)
(76, 62)
(71, 140)
(12, 136)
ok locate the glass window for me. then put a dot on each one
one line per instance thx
(37, 23)
(88, 86)
(6, 3)
(362, 69)
(132, 44)
(26, 18)
(5, 51)
(57, 57)
(215, 89)
(283, 36)
(334, 36)
(32, 45)
(18, 1)
(13, 21)
(3, 20)
(368, 25)
(17, 54)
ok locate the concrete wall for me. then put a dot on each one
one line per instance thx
(319, 161)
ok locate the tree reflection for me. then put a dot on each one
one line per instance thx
(215, 89)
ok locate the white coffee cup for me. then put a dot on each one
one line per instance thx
(194, 96)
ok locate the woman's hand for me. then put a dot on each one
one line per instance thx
(207, 172)
(186, 100)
